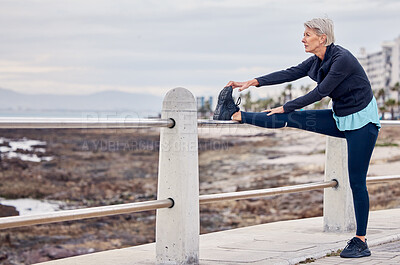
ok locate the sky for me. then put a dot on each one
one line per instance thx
(82, 47)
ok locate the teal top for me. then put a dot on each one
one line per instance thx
(359, 119)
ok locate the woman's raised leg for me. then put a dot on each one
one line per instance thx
(318, 121)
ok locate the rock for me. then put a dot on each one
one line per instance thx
(6, 210)
(47, 253)
(33, 256)
(58, 252)
(3, 256)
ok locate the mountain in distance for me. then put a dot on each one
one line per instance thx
(101, 101)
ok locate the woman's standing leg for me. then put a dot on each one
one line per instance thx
(360, 144)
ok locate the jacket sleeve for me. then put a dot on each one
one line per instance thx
(290, 74)
(340, 69)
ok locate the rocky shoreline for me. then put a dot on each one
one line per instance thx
(103, 167)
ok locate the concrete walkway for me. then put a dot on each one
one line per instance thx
(287, 242)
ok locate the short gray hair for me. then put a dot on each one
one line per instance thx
(322, 26)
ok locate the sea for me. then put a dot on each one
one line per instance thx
(78, 114)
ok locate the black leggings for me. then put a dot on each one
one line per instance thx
(360, 144)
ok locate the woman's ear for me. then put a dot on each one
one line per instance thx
(323, 39)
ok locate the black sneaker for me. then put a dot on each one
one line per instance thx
(356, 248)
(226, 106)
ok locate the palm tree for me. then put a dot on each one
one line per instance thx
(390, 103)
(382, 94)
(282, 98)
(322, 104)
(247, 101)
(263, 104)
(396, 88)
(383, 110)
(305, 89)
(279, 102)
(205, 110)
(288, 92)
(207, 106)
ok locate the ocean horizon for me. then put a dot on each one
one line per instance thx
(112, 114)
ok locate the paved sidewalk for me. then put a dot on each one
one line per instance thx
(287, 242)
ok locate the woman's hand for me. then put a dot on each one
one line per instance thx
(242, 85)
(274, 110)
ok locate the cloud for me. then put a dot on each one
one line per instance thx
(88, 46)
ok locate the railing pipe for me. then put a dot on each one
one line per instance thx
(385, 123)
(209, 198)
(101, 123)
(379, 179)
(78, 214)
(77, 123)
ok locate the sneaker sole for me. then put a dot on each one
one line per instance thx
(362, 254)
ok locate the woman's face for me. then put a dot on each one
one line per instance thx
(312, 42)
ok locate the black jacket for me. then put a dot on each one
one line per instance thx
(339, 76)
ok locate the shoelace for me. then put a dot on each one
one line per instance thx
(238, 101)
(351, 242)
(354, 243)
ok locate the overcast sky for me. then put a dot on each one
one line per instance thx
(80, 47)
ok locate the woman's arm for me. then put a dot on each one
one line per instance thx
(278, 77)
(341, 68)
(288, 75)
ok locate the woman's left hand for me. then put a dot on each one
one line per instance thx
(274, 110)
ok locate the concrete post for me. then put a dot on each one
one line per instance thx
(338, 202)
(178, 228)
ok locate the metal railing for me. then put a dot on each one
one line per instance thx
(248, 194)
(108, 123)
(178, 177)
(390, 123)
(101, 211)
(379, 179)
(78, 214)
(82, 123)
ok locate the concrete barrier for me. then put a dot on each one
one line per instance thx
(338, 201)
(178, 228)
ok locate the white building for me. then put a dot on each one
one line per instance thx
(383, 67)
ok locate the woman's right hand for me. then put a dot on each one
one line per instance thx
(242, 85)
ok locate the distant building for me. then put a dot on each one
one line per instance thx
(382, 67)
(200, 102)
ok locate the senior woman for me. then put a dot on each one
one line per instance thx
(354, 113)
